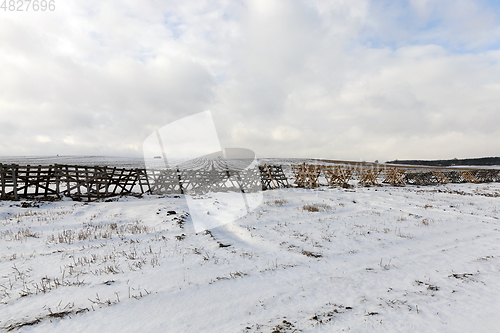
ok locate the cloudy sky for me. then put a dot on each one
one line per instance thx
(343, 79)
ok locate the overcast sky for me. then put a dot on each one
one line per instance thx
(346, 79)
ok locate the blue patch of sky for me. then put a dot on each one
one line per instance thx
(219, 78)
(465, 48)
(493, 5)
(397, 24)
(145, 55)
(94, 35)
(173, 24)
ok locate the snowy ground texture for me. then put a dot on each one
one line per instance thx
(364, 259)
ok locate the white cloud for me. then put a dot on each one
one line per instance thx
(43, 138)
(343, 79)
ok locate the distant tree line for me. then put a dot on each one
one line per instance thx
(455, 161)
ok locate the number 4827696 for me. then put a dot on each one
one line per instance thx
(24, 6)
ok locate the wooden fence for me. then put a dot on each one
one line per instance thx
(272, 177)
(98, 182)
(187, 181)
(308, 175)
(77, 182)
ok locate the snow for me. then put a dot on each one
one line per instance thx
(360, 259)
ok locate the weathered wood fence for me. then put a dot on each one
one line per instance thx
(77, 182)
(272, 176)
(97, 182)
(182, 181)
(308, 175)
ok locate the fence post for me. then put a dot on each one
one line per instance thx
(14, 181)
(26, 180)
(2, 181)
(180, 182)
(270, 177)
(57, 174)
(37, 180)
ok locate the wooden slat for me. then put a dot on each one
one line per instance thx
(368, 177)
(440, 177)
(306, 175)
(469, 177)
(394, 176)
(14, 180)
(2, 181)
(338, 175)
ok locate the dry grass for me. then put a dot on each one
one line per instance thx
(427, 221)
(37, 216)
(20, 235)
(311, 254)
(276, 202)
(52, 314)
(102, 231)
(400, 234)
(316, 207)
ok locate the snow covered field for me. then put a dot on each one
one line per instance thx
(364, 259)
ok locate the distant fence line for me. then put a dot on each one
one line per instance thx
(308, 175)
(97, 182)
